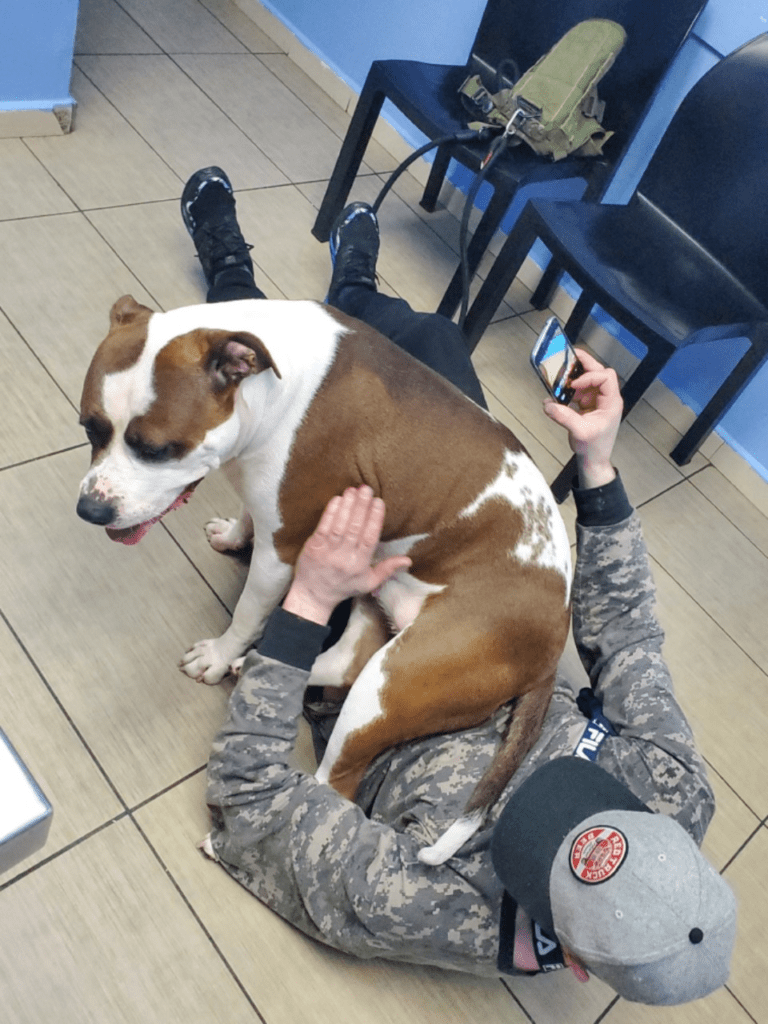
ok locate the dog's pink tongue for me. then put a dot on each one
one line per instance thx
(133, 534)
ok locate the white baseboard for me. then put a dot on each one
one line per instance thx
(18, 124)
(735, 468)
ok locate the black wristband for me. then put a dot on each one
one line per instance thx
(291, 639)
(602, 506)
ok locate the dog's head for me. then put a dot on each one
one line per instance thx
(158, 407)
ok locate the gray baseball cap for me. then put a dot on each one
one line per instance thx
(627, 891)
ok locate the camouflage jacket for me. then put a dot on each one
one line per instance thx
(347, 874)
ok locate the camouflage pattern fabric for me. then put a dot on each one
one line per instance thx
(347, 874)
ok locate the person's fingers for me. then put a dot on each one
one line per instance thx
(374, 522)
(345, 519)
(381, 572)
(361, 499)
(588, 361)
(325, 526)
(602, 380)
(562, 414)
(592, 379)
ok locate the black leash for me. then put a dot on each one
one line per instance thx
(497, 147)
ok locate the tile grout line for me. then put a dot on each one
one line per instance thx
(166, 789)
(223, 112)
(733, 995)
(64, 849)
(601, 1017)
(170, 56)
(215, 946)
(279, 52)
(197, 569)
(756, 831)
(122, 116)
(40, 458)
(706, 612)
(725, 514)
(515, 999)
(68, 718)
(35, 356)
(738, 796)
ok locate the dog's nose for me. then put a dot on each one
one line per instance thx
(100, 513)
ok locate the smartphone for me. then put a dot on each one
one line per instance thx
(555, 361)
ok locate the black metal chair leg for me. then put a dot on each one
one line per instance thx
(561, 485)
(546, 286)
(436, 178)
(579, 316)
(717, 406)
(500, 277)
(644, 375)
(484, 232)
(350, 157)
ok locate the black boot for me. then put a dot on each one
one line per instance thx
(354, 245)
(208, 212)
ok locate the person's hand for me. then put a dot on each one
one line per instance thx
(592, 420)
(335, 563)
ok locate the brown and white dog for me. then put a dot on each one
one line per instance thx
(297, 402)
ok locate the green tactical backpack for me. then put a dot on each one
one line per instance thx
(554, 106)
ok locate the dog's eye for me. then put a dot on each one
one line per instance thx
(98, 432)
(148, 452)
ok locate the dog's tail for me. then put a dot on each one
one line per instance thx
(522, 732)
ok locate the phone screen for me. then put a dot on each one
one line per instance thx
(555, 361)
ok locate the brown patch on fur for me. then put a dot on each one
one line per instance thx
(121, 348)
(497, 630)
(359, 429)
(195, 378)
(475, 646)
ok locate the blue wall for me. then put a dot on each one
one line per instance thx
(36, 45)
(348, 41)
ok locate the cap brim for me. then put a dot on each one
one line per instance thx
(538, 817)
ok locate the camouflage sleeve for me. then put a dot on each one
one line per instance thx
(619, 640)
(316, 859)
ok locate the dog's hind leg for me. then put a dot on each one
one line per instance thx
(342, 767)
(338, 667)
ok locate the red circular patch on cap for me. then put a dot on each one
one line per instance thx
(597, 854)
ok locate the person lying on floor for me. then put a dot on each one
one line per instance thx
(590, 859)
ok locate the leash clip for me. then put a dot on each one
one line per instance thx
(525, 112)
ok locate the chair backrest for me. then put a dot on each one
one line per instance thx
(708, 173)
(525, 29)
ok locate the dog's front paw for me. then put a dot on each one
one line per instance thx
(205, 663)
(226, 535)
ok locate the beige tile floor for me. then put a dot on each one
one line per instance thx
(119, 918)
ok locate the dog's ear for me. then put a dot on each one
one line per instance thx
(235, 355)
(126, 310)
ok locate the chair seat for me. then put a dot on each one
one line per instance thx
(428, 95)
(633, 260)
